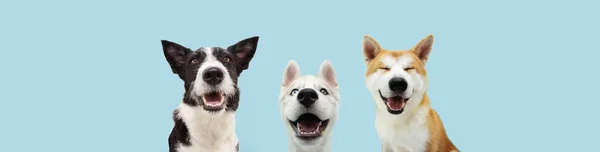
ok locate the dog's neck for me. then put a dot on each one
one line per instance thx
(323, 147)
(208, 129)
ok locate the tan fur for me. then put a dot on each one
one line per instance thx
(438, 140)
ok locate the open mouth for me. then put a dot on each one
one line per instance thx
(309, 126)
(213, 101)
(395, 104)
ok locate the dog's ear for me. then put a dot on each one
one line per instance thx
(244, 52)
(423, 48)
(291, 73)
(370, 48)
(326, 72)
(175, 55)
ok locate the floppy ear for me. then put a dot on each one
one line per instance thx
(326, 72)
(175, 55)
(291, 73)
(423, 48)
(244, 51)
(370, 48)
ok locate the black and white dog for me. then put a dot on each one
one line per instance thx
(205, 120)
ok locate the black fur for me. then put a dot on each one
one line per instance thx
(180, 60)
(179, 134)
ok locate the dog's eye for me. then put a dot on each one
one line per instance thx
(384, 68)
(194, 61)
(293, 92)
(324, 92)
(409, 68)
(226, 59)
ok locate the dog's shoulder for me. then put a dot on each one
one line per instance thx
(438, 140)
(180, 133)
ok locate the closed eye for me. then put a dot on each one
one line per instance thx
(409, 68)
(385, 68)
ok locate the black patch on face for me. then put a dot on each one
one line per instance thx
(179, 134)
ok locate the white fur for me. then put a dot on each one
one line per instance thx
(326, 107)
(405, 132)
(209, 131)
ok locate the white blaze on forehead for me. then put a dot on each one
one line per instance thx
(209, 62)
(397, 65)
(391, 62)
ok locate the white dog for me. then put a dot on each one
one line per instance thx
(309, 107)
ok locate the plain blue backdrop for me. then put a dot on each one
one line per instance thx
(90, 76)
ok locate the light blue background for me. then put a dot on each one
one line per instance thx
(91, 76)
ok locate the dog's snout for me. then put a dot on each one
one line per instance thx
(398, 85)
(307, 97)
(212, 76)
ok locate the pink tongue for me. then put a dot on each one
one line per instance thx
(308, 126)
(395, 103)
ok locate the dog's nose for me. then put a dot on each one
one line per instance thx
(212, 76)
(307, 97)
(398, 85)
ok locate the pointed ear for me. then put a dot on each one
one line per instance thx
(175, 55)
(423, 48)
(370, 48)
(291, 73)
(326, 72)
(244, 52)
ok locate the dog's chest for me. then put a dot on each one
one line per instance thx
(403, 135)
(211, 137)
(209, 133)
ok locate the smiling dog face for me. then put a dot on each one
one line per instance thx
(396, 78)
(210, 74)
(309, 104)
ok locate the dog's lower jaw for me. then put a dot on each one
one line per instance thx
(325, 146)
(324, 141)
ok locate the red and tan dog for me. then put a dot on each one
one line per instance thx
(397, 79)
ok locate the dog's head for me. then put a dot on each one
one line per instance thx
(396, 78)
(309, 104)
(210, 74)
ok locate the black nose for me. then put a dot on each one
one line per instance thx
(307, 97)
(398, 85)
(212, 76)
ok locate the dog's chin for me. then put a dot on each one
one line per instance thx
(213, 101)
(308, 128)
(394, 104)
